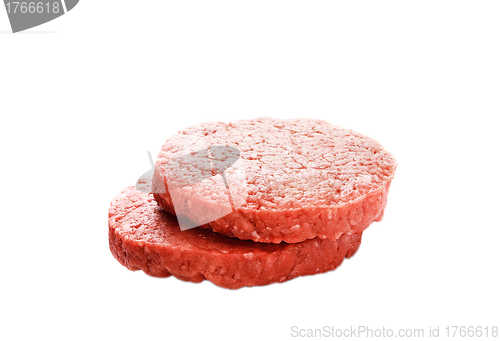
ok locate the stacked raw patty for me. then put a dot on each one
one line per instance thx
(252, 202)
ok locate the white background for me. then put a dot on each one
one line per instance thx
(83, 98)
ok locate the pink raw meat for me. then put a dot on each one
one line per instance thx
(294, 179)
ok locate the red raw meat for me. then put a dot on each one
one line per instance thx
(142, 236)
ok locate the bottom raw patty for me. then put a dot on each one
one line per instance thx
(142, 236)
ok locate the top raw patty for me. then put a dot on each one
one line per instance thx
(273, 180)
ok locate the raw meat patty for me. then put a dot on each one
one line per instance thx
(294, 179)
(142, 236)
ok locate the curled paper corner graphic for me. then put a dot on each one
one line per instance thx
(24, 15)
